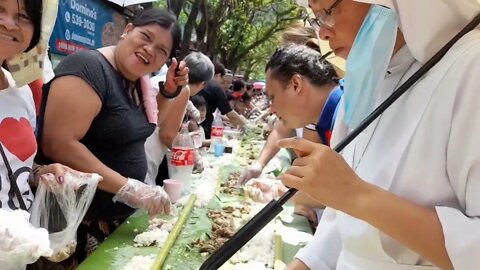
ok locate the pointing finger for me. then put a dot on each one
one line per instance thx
(173, 65)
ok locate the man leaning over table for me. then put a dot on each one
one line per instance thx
(295, 81)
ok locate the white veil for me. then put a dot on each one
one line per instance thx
(428, 25)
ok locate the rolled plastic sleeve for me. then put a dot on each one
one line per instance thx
(323, 250)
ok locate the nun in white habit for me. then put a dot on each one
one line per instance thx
(405, 194)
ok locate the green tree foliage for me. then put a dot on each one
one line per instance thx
(242, 34)
(253, 66)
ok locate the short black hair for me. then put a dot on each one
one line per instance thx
(238, 85)
(198, 101)
(162, 17)
(249, 86)
(300, 59)
(219, 68)
(34, 8)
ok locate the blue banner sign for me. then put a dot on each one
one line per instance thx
(85, 24)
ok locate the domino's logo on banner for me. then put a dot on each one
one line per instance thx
(85, 24)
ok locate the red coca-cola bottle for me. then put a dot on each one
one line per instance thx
(216, 136)
(183, 158)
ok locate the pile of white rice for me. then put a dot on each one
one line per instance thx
(140, 263)
(204, 187)
(156, 233)
(259, 252)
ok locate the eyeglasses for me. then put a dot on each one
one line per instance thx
(324, 17)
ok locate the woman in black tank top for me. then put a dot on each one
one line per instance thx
(95, 117)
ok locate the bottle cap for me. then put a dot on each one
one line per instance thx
(228, 149)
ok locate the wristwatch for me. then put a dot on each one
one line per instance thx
(165, 94)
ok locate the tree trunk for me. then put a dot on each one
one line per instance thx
(189, 26)
(176, 6)
(248, 69)
(215, 20)
(201, 29)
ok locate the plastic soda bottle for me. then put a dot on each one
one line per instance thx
(183, 158)
(217, 131)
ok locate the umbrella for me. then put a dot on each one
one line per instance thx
(125, 3)
(258, 85)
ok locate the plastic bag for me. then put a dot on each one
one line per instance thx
(21, 243)
(60, 209)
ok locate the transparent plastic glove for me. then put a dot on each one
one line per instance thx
(137, 194)
(252, 171)
(264, 190)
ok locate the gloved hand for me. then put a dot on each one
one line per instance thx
(264, 190)
(252, 171)
(137, 194)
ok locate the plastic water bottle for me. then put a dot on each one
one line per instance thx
(183, 158)
(216, 136)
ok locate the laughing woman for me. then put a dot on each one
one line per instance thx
(96, 118)
(21, 31)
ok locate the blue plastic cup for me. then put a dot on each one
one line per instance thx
(219, 149)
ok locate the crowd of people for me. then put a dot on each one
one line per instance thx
(403, 194)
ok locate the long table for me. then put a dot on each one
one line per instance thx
(118, 249)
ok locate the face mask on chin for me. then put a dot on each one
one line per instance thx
(28, 66)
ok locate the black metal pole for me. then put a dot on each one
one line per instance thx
(271, 210)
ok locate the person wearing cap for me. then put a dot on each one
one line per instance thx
(404, 193)
(227, 80)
